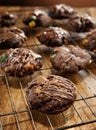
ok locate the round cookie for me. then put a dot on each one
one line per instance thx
(54, 36)
(36, 18)
(11, 37)
(61, 11)
(81, 23)
(20, 62)
(7, 19)
(69, 59)
(52, 94)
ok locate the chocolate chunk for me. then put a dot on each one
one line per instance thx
(61, 11)
(37, 18)
(20, 62)
(69, 59)
(52, 94)
(11, 37)
(7, 19)
(54, 36)
(81, 23)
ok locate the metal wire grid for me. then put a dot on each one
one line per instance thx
(15, 113)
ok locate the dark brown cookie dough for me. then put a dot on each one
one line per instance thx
(54, 36)
(7, 19)
(20, 62)
(11, 37)
(69, 59)
(61, 11)
(81, 23)
(37, 18)
(52, 94)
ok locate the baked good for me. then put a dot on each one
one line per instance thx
(81, 23)
(11, 37)
(90, 41)
(7, 19)
(36, 18)
(69, 59)
(54, 36)
(20, 62)
(61, 11)
(52, 94)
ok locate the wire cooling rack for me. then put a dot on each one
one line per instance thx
(15, 112)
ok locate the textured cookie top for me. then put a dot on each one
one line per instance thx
(81, 23)
(7, 19)
(36, 18)
(90, 42)
(11, 37)
(20, 62)
(51, 94)
(69, 59)
(61, 11)
(53, 36)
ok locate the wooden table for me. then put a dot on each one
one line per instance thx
(15, 113)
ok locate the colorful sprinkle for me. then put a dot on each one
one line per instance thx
(84, 41)
(3, 58)
(32, 24)
(33, 17)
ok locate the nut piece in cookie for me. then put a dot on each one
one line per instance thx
(36, 18)
(11, 37)
(69, 59)
(54, 36)
(52, 94)
(20, 62)
(61, 11)
(81, 23)
(7, 19)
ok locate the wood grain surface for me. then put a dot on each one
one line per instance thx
(15, 113)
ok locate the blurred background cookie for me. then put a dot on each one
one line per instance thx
(7, 19)
(61, 11)
(11, 37)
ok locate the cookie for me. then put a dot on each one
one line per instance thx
(20, 62)
(37, 18)
(81, 23)
(11, 37)
(54, 36)
(61, 11)
(90, 41)
(52, 94)
(7, 19)
(70, 59)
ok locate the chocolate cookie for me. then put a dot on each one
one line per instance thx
(81, 23)
(52, 94)
(90, 41)
(37, 18)
(20, 62)
(54, 36)
(11, 37)
(7, 19)
(69, 59)
(61, 11)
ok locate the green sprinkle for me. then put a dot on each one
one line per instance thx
(3, 58)
(33, 17)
